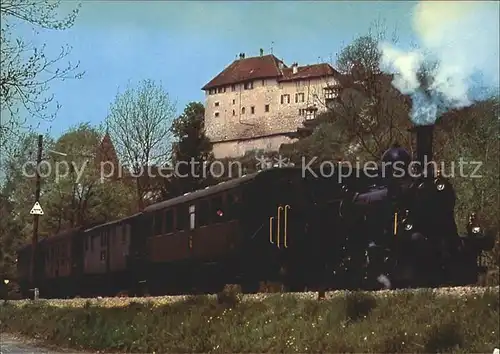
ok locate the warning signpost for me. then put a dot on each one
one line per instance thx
(37, 209)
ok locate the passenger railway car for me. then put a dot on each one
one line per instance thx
(242, 231)
(106, 269)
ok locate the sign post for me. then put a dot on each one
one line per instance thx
(36, 211)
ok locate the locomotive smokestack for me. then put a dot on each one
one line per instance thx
(424, 135)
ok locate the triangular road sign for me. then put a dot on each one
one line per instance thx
(37, 209)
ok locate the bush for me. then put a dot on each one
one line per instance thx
(385, 322)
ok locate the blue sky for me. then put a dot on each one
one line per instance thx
(184, 44)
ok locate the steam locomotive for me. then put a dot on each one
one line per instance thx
(304, 230)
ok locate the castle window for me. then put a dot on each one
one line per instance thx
(285, 98)
(252, 109)
(299, 97)
(233, 88)
(242, 110)
(234, 112)
(266, 108)
(234, 101)
(263, 82)
(216, 104)
(216, 114)
(248, 85)
(301, 111)
(219, 90)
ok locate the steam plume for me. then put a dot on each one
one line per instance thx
(459, 46)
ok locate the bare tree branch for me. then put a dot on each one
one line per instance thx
(139, 122)
(25, 71)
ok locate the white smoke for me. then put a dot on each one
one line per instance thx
(463, 39)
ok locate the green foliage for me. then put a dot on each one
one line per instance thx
(406, 321)
(78, 195)
(471, 135)
(69, 197)
(191, 150)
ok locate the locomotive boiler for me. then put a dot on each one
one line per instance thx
(402, 232)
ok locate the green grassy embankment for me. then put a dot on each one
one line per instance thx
(464, 320)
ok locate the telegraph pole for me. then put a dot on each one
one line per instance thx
(36, 216)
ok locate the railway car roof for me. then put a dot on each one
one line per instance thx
(61, 235)
(218, 188)
(113, 222)
(201, 193)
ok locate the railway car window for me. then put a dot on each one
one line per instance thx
(169, 221)
(115, 234)
(158, 223)
(182, 215)
(233, 206)
(204, 213)
(192, 217)
(124, 234)
(217, 209)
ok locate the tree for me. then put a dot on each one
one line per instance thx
(9, 226)
(472, 134)
(368, 115)
(192, 150)
(80, 195)
(25, 71)
(139, 122)
(17, 196)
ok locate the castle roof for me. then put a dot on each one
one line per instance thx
(266, 66)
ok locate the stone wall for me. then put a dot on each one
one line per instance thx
(237, 148)
(229, 115)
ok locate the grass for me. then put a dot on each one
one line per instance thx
(389, 322)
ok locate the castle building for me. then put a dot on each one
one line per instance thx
(259, 103)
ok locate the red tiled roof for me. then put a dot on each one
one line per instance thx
(247, 69)
(309, 71)
(266, 66)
